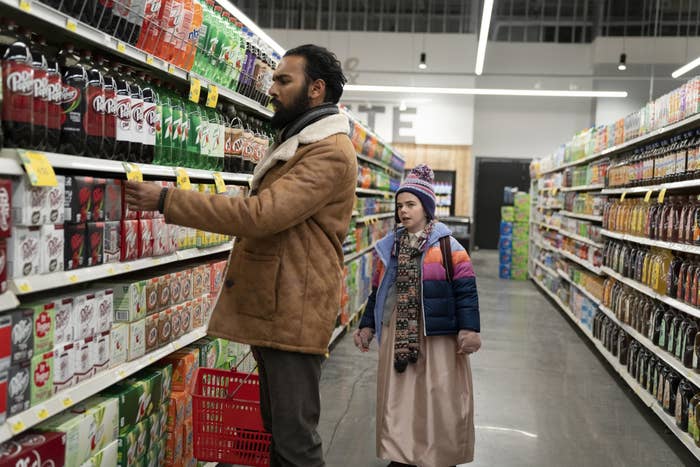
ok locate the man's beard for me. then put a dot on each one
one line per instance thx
(285, 115)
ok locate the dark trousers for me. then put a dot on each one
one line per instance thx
(290, 404)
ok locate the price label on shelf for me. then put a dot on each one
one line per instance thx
(71, 25)
(622, 196)
(25, 5)
(219, 183)
(42, 414)
(38, 168)
(133, 172)
(149, 59)
(24, 287)
(183, 180)
(171, 69)
(555, 190)
(121, 47)
(212, 95)
(195, 88)
(67, 402)
(73, 278)
(662, 195)
(18, 427)
(647, 197)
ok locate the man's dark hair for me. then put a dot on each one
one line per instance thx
(321, 63)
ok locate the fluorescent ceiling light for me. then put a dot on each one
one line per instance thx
(481, 91)
(250, 24)
(686, 68)
(483, 36)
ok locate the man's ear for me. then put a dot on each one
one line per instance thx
(317, 90)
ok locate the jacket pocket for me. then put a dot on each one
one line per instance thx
(255, 285)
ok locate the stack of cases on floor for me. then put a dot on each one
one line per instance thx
(521, 232)
(505, 242)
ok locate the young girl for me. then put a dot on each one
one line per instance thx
(424, 311)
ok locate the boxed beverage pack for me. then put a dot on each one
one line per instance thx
(137, 340)
(176, 288)
(184, 363)
(52, 248)
(113, 200)
(129, 300)
(75, 249)
(105, 458)
(64, 328)
(44, 325)
(111, 248)
(153, 377)
(103, 345)
(119, 344)
(151, 295)
(5, 342)
(55, 199)
(504, 271)
(505, 244)
(506, 229)
(164, 291)
(5, 207)
(176, 321)
(34, 448)
(135, 402)
(128, 445)
(129, 240)
(42, 378)
(64, 367)
(161, 240)
(22, 348)
(19, 384)
(29, 203)
(185, 319)
(95, 242)
(165, 327)
(78, 201)
(508, 213)
(218, 271)
(163, 415)
(154, 427)
(86, 314)
(186, 285)
(197, 281)
(174, 448)
(3, 265)
(85, 356)
(174, 243)
(197, 312)
(127, 214)
(505, 257)
(188, 439)
(104, 301)
(166, 373)
(24, 252)
(176, 414)
(145, 238)
(152, 332)
(98, 200)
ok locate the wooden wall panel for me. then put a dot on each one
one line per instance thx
(445, 157)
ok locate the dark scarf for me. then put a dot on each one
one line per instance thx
(409, 303)
(312, 115)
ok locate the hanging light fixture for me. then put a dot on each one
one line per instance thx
(422, 65)
(622, 66)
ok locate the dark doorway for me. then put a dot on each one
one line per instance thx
(491, 176)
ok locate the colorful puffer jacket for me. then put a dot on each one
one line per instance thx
(447, 307)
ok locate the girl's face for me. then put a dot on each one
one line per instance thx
(411, 213)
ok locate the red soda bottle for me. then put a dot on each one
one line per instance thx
(41, 93)
(18, 92)
(136, 119)
(94, 111)
(150, 119)
(55, 88)
(109, 116)
(73, 102)
(123, 113)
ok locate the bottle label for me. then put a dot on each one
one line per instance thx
(150, 118)
(137, 120)
(18, 92)
(110, 113)
(123, 115)
(95, 110)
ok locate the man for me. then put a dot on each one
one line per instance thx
(282, 288)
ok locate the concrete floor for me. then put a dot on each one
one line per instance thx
(543, 397)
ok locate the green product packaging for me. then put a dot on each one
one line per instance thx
(134, 402)
(44, 325)
(166, 371)
(154, 426)
(129, 301)
(507, 213)
(42, 373)
(108, 457)
(128, 443)
(154, 378)
(163, 415)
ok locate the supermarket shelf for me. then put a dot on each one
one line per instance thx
(677, 304)
(597, 186)
(8, 301)
(582, 262)
(552, 208)
(46, 14)
(583, 290)
(378, 164)
(368, 191)
(354, 256)
(9, 158)
(643, 189)
(664, 355)
(547, 269)
(65, 399)
(373, 217)
(544, 246)
(236, 98)
(553, 296)
(647, 398)
(55, 280)
(545, 226)
(640, 139)
(658, 243)
(580, 238)
(588, 217)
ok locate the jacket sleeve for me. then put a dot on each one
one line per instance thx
(367, 320)
(464, 288)
(294, 197)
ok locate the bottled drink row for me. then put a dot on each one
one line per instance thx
(584, 203)
(673, 159)
(77, 103)
(195, 35)
(677, 219)
(592, 174)
(676, 395)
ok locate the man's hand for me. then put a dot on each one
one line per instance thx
(142, 196)
(468, 342)
(362, 338)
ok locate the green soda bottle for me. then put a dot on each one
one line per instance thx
(176, 137)
(166, 146)
(194, 139)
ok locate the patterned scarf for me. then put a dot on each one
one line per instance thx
(408, 299)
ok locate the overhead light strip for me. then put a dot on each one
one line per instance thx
(686, 68)
(482, 91)
(250, 24)
(483, 36)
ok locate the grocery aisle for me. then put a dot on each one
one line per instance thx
(543, 396)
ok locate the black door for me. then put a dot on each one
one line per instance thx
(492, 175)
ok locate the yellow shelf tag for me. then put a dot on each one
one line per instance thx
(662, 195)
(42, 414)
(647, 197)
(219, 183)
(133, 172)
(73, 278)
(24, 287)
(622, 196)
(67, 402)
(149, 59)
(212, 96)
(555, 190)
(183, 180)
(121, 47)
(25, 5)
(111, 270)
(18, 427)
(171, 69)
(38, 168)
(195, 89)
(71, 25)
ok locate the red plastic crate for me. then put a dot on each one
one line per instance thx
(226, 418)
